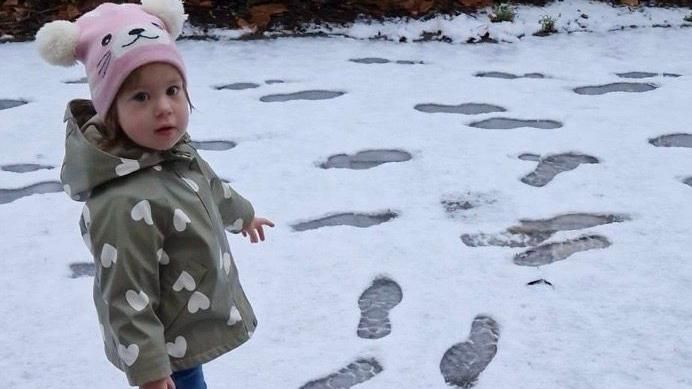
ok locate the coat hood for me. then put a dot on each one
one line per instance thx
(88, 165)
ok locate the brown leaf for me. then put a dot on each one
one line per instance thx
(631, 3)
(260, 15)
(475, 3)
(9, 3)
(72, 12)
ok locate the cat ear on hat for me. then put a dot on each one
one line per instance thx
(57, 41)
(170, 11)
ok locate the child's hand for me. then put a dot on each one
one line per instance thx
(163, 383)
(255, 229)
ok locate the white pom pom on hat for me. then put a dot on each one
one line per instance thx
(171, 12)
(57, 42)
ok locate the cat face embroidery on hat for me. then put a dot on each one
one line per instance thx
(117, 43)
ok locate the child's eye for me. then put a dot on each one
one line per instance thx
(141, 96)
(172, 90)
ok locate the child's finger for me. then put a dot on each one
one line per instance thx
(253, 236)
(261, 232)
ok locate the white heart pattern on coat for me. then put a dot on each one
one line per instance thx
(185, 281)
(128, 354)
(234, 317)
(178, 348)
(137, 301)
(109, 255)
(198, 301)
(227, 262)
(237, 225)
(193, 185)
(180, 220)
(227, 192)
(126, 167)
(142, 210)
(86, 216)
(157, 168)
(163, 257)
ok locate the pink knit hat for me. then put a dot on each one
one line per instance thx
(113, 40)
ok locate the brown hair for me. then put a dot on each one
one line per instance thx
(113, 133)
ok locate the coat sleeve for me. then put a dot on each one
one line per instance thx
(127, 237)
(236, 211)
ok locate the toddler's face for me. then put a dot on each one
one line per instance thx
(153, 110)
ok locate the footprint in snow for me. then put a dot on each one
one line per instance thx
(82, 269)
(7, 104)
(552, 165)
(10, 195)
(508, 76)
(355, 373)
(213, 145)
(534, 232)
(25, 167)
(462, 363)
(553, 252)
(645, 75)
(375, 304)
(672, 140)
(463, 109)
(378, 61)
(632, 87)
(510, 124)
(360, 220)
(365, 159)
(303, 95)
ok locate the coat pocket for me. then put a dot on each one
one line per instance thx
(178, 282)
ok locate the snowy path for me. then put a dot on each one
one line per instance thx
(517, 213)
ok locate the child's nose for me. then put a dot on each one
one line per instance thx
(164, 106)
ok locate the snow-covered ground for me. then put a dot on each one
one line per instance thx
(615, 317)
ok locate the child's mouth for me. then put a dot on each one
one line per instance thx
(165, 130)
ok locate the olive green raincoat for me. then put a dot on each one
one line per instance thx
(166, 289)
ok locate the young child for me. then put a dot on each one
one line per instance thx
(166, 290)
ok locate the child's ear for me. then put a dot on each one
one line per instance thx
(170, 11)
(57, 42)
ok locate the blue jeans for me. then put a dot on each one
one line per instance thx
(189, 379)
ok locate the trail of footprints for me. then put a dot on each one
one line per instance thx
(462, 364)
